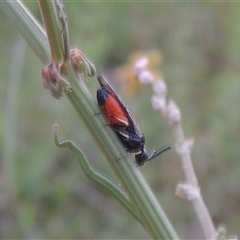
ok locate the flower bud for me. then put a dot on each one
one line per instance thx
(145, 77)
(174, 115)
(158, 102)
(159, 87)
(187, 192)
(141, 64)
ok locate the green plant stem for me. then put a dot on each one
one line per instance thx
(94, 176)
(28, 27)
(48, 11)
(130, 179)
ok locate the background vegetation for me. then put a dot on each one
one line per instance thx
(44, 193)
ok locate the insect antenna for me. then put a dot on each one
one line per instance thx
(155, 154)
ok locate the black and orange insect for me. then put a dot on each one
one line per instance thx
(122, 123)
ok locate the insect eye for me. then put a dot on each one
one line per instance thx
(141, 158)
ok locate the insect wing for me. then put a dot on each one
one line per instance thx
(114, 111)
(104, 83)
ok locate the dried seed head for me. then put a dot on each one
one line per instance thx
(53, 81)
(49, 81)
(81, 64)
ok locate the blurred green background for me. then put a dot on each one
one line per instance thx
(43, 191)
